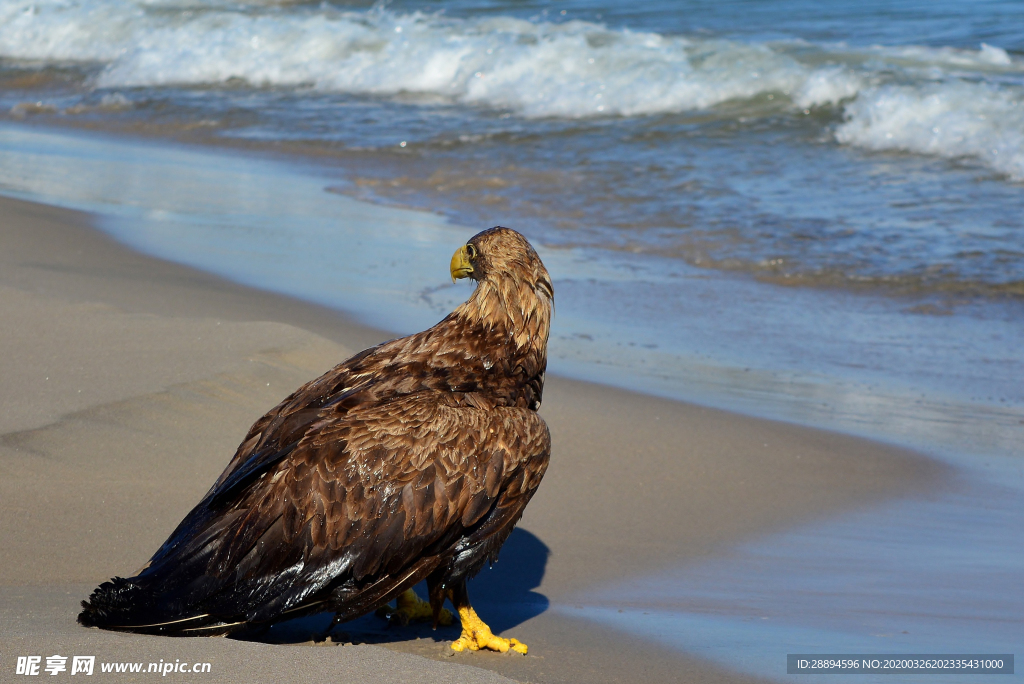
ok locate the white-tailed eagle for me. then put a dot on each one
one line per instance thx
(412, 460)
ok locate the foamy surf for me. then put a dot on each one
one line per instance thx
(919, 99)
(536, 69)
(946, 119)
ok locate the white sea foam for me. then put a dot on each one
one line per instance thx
(910, 97)
(994, 55)
(986, 57)
(828, 86)
(536, 69)
(947, 119)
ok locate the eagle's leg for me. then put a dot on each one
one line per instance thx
(411, 608)
(475, 633)
(326, 634)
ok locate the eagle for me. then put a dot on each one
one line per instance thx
(412, 460)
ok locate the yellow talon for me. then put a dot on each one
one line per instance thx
(477, 635)
(411, 608)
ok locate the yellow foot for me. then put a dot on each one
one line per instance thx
(411, 608)
(477, 635)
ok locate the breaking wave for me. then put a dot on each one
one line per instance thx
(570, 69)
(949, 120)
(941, 101)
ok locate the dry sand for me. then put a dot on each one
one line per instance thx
(127, 382)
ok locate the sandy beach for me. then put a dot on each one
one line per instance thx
(128, 381)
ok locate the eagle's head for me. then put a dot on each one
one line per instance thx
(513, 288)
(501, 254)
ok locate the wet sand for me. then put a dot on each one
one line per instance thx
(128, 382)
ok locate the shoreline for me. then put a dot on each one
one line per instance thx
(832, 360)
(196, 358)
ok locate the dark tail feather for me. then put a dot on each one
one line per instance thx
(168, 596)
(128, 605)
(198, 585)
(113, 603)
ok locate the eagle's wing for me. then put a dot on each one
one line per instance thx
(280, 429)
(410, 365)
(355, 508)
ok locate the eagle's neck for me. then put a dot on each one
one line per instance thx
(514, 308)
(513, 319)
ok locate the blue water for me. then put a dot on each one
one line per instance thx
(793, 142)
(939, 574)
(805, 211)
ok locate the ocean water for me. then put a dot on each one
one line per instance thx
(934, 574)
(792, 141)
(805, 211)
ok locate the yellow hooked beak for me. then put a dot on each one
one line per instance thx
(461, 268)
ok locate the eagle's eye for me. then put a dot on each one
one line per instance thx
(471, 251)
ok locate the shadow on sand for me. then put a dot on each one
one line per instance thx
(503, 596)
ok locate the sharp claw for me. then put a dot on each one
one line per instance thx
(477, 635)
(484, 639)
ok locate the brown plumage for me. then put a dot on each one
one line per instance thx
(411, 460)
